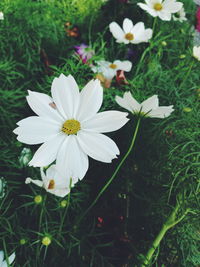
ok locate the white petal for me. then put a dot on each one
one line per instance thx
(172, 6)
(123, 65)
(128, 102)
(48, 151)
(36, 130)
(151, 11)
(106, 121)
(1, 256)
(165, 15)
(161, 112)
(40, 104)
(11, 258)
(150, 104)
(117, 31)
(98, 146)
(91, 98)
(65, 94)
(72, 161)
(59, 192)
(127, 25)
(36, 182)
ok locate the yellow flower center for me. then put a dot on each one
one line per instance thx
(129, 36)
(158, 7)
(51, 184)
(71, 126)
(113, 66)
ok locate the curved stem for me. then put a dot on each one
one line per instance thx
(170, 223)
(115, 172)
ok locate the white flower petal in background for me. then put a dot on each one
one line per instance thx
(130, 33)
(161, 8)
(1, 15)
(53, 182)
(109, 69)
(148, 108)
(67, 126)
(196, 52)
(25, 156)
(3, 263)
(180, 15)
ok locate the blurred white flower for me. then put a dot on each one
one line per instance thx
(2, 187)
(196, 52)
(3, 263)
(197, 2)
(161, 8)
(1, 15)
(53, 182)
(130, 33)
(109, 69)
(69, 127)
(180, 15)
(148, 108)
(25, 156)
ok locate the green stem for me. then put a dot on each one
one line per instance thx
(65, 212)
(171, 222)
(187, 74)
(115, 172)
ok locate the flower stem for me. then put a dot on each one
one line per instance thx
(171, 221)
(187, 74)
(115, 172)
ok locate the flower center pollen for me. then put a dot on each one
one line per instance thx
(71, 126)
(129, 36)
(113, 66)
(158, 7)
(51, 184)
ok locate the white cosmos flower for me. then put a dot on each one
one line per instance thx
(109, 69)
(3, 263)
(53, 182)
(161, 8)
(130, 33)
(1, 15)
(196, 52)
(180, 15)
(69, 127)
(148, 108)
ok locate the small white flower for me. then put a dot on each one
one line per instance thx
(148, 108)
(53, 182)
(3, 263)
(109, 69)
(69, 127)
(1, 15)
(180, 15)
(161, 8)
(130, 33)
(196, 52)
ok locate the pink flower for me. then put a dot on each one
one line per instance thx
(198, 19)
(85, 52)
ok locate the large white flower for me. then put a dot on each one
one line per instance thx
(148, 108)
(196, 52)
(3, 263)
(130, 33)
(161, 8)
(53, 182)
(69, 127)
(109, 69)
